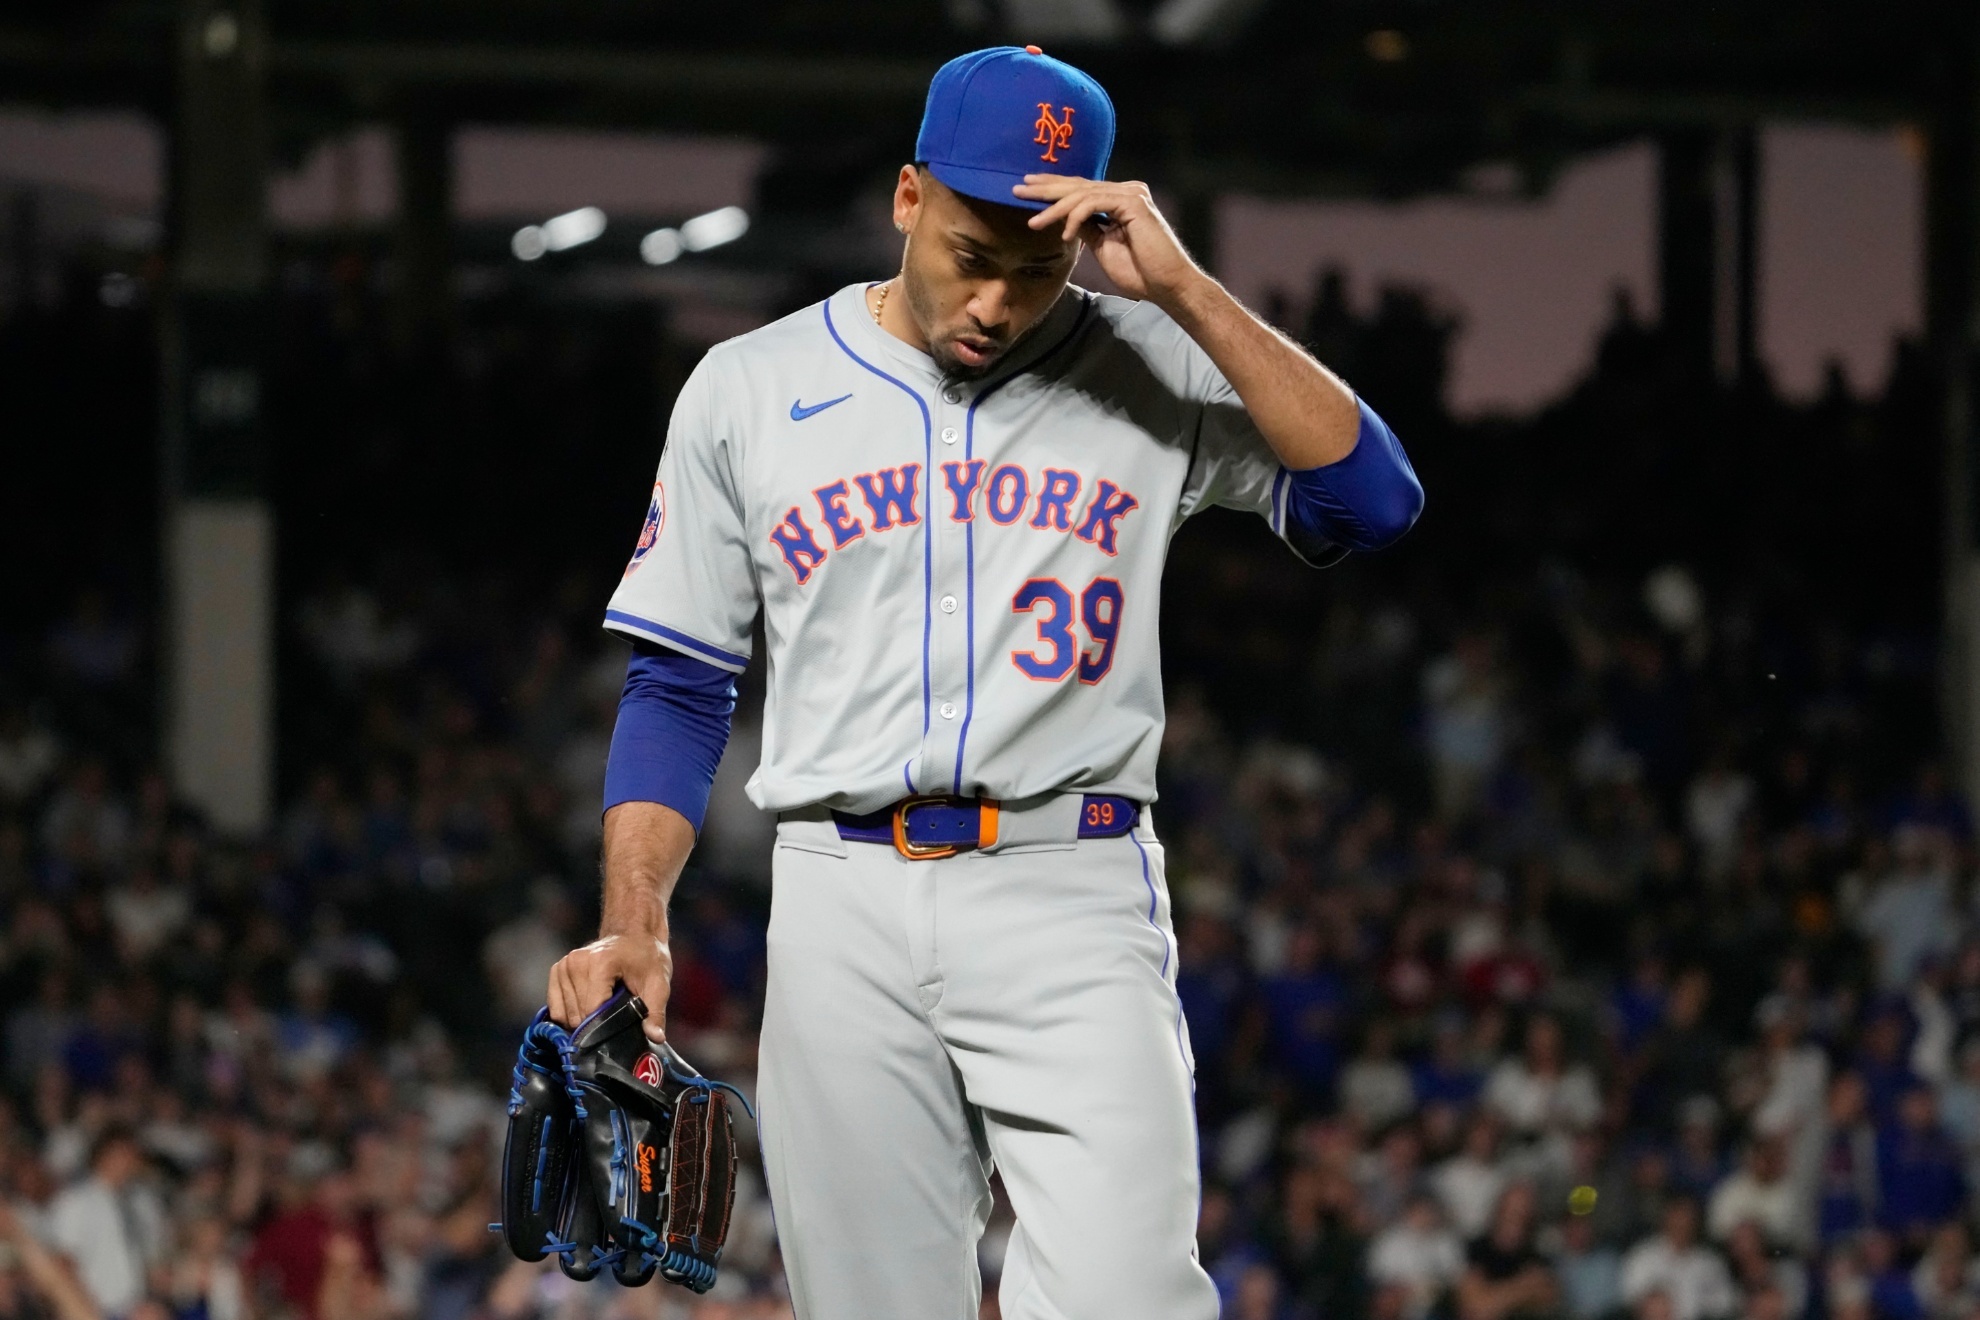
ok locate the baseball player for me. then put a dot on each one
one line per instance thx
(948, 496)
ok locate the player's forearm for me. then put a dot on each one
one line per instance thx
(673, 724)
(646, 845)
(1305, 412)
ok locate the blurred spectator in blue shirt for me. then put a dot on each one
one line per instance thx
(1847, 1186)
(1636, 1005)
(102, 1040)
(1305, 1004)
(1891, 1293)
(1920, 1180)
(1220, 1243)
(310, 1039)
(1446, 1074)
(1210, 981)
(1882, 1063)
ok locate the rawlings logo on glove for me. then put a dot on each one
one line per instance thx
(617, 1155)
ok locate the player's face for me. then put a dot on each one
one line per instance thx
(977, 278)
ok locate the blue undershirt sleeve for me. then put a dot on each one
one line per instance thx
(673, 724)
(1364, 502)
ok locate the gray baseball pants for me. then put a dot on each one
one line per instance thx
(928, 1021)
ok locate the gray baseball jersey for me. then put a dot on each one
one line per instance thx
(959, 579)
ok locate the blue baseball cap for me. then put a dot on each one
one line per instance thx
(996, 115)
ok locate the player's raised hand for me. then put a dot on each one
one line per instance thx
(1120, 222)
(585, 978)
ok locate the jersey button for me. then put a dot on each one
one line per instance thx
(948, 710)
(949, 433)
(948, 604)
(952, 395)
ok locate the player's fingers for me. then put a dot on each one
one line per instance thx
(1082, 214)
(1056, 213)
(553, 994)
(1041, 187)
(1047, 217)
(1112, 199)
(652, 982)
(594, 984)
(1084, 192)
(1032, 193)
(1088, 220)
(574, 1005)
(653, 993)
(563, 1000)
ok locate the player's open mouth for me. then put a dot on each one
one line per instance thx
(977, 353)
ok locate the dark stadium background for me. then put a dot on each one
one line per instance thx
(1657, 729)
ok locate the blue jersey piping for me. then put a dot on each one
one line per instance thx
(1167, 950)
(700, 649)
(927, 534)
(969, 537)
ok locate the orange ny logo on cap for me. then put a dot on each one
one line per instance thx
(1053, 133)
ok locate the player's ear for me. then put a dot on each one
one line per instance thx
(909, 193)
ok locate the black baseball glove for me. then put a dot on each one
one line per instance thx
(539, 1160)
(639, 1148)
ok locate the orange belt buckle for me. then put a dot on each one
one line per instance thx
(915, 852)
(986, 830)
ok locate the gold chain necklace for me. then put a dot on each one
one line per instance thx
(881, 304)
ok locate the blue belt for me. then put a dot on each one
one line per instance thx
(924, 828)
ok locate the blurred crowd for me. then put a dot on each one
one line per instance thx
(266, 1080)
(1563, 932)
(1574, 1042)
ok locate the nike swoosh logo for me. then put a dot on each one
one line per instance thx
(799, 412)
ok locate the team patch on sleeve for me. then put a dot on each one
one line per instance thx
(649, 532)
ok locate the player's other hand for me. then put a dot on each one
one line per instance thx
(1119, 221)
(584, 978)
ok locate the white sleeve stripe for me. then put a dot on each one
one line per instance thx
(621, 622)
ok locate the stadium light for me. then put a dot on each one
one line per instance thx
(573, 228)
(528, 243)
(714, 229)
(660, 247)
(569, 230)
